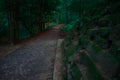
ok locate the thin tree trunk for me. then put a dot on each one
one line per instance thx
(67, 13)
(13, 15)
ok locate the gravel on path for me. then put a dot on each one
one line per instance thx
(33, 61)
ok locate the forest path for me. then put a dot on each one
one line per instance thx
(34, 60)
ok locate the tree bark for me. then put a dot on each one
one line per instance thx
(13, 16)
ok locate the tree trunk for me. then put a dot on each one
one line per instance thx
(67, 12)
(13, 15)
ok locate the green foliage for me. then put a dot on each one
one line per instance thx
(3, 19)
(93, 73)
(83, 41)
(76, 73)
(70, 28)
(97, 32)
